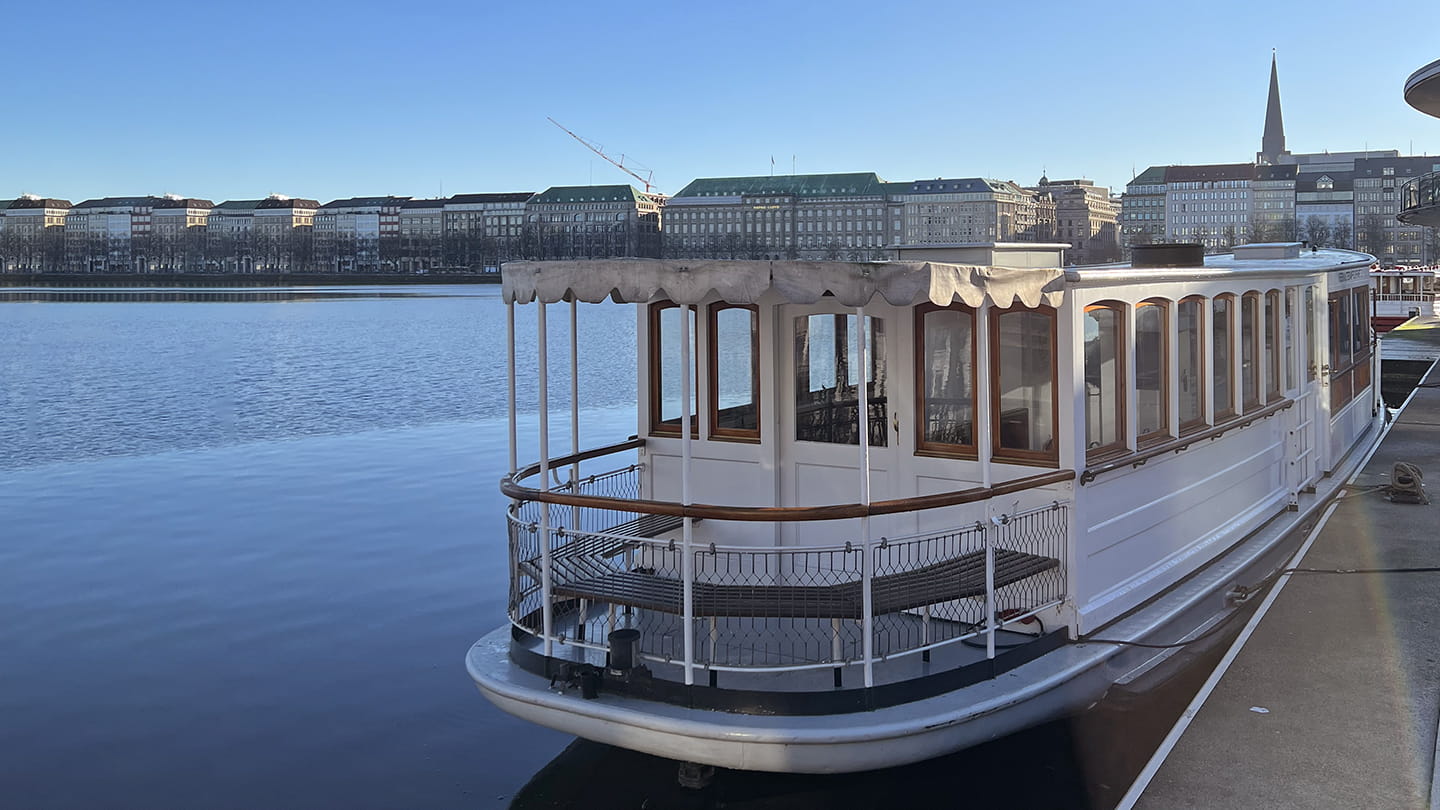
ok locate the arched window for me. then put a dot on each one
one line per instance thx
(1223, 355)
(945, 379)
(1190, 349)
(1250, 328)
(1152, 354)
(1274, 351)
(1104, 379)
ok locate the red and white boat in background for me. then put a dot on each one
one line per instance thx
(1401, 293)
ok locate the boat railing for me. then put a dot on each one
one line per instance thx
(610, 560)
(1416, 297)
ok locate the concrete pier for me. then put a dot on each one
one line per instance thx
(1334, 698)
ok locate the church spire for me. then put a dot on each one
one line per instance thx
(1272, 143)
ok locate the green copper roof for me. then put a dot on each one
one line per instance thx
(1151, 176)
(580, 194)
(798, 185)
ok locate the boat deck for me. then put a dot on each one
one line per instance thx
(1333, 699)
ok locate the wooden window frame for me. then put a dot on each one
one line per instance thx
(1121, 444)
(1272, 318)
(923, 447)
(712, 356)
(1226, 410)
(1341, 391)
(1202, 342)
(657, 427)
(1034, 458)
(1257, 336)
(1163, 431)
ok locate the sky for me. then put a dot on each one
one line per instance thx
(329, 100)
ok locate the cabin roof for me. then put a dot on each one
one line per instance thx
(851, 284)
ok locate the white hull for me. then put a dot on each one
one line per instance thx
(1054, 685)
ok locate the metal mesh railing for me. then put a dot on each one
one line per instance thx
(788, 607)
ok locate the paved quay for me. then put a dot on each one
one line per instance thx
(1333, 700)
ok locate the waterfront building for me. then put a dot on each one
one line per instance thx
(1086, 217)
(804, 216)
(1378, 202)
(421, 235)
(1272, 203)
(32, 234)
(1209, 205)
(283, 234)
(230, 237)
(178, 234)
(110, 235)
(592, 222)
(1142, 208)
(482, 231)
(1324, 208)
(358, 235)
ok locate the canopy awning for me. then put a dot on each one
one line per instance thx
(853, 284)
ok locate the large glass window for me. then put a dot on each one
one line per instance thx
(1361, 346)
(1222, 338)
(1190, 346)
(1104, 379)
(1312, 336)
(1340, 337)
(665, 400)
(1152, 406)
(1023, 396)
(734, 372)
(1250, 350)
(828, 379)
(945, 378)
(1287, 335)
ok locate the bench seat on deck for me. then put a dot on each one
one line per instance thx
(957, 578)
(581, 557)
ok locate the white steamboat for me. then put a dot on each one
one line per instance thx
(892, 504)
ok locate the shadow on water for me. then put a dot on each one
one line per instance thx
(1085, 761)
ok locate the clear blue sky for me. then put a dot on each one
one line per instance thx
(328, 100)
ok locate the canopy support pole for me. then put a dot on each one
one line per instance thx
(546, 582)
(687, 564)
(862, 336)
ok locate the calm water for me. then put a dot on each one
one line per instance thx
(245, 544)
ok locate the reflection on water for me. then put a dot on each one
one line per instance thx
(200, 295)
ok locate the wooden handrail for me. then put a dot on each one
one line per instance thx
(1176, 445)
(512, 489)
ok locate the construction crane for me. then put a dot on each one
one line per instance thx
(599, 150)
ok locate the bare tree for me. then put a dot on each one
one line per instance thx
(1372, 232)
(1317, 231)
(1340, 235)
(1227, 237)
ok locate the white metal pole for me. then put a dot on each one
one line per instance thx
(687, 564)
(574, 404)
(545, 571)
(510, 378)
(866, 564)
(990, 589)
(986, 376)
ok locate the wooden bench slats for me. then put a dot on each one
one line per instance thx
(961, 577)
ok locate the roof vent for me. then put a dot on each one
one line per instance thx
(1179, 254)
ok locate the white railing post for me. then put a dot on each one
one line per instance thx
(687, 564)
(545, 570)
(866, 563)
(510, 379)
(574, 414)
(990, 588)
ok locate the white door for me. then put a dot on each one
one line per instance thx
(818, 412)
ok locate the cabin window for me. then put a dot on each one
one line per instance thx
(1312, 335)
(945, 379)
(1340, 340)
(1104, 379)
(734, 338)
(1287, 332)
(665, 401)
(1152, 401)
(1272, 346)
(1360, 346)
(1023, 398)
(1190, 345)
(1222, 339)
(1250, 351)
(828, 379)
